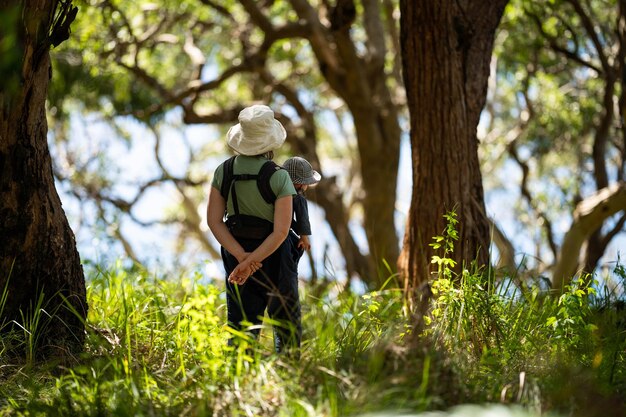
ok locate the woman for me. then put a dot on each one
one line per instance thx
(260, 269)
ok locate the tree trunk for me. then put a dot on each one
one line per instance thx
(328, 196)
(594, 250)
(446, 52)
(360, 80)
(379, 154)
(589, 216)
(378, 135)
(39, 262)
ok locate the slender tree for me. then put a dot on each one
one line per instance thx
(40, 272)
(446, 52)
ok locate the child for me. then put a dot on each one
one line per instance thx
(302, 175)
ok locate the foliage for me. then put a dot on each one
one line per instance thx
(553, 129)
(496, 333)
(547, 134)
(445, 264)
(158, 346)
(163, 66)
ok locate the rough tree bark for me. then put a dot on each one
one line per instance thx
(38, 256)
(446, 52)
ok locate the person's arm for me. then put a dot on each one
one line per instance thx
(301, 210)
(282, 222)
(215, 216)
(301, 225)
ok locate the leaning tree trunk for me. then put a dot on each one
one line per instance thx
(446, 52)
(589, 216)
(40, 271)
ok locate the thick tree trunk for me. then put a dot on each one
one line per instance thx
(379, 152)
(361, 81)
(38, 256)
(378, 135)
(446, 51)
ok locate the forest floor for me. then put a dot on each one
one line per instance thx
(158, 346)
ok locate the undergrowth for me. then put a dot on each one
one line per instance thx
(158, 347)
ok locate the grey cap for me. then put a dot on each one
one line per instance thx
(301, 171)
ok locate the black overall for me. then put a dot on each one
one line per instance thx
(273, 287)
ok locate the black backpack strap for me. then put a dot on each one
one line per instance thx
(263, 182)
(227, 177)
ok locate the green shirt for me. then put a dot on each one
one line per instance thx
(249, 198)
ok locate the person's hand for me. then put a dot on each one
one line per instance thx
(304, 242)
(254, 265)
(244, 270)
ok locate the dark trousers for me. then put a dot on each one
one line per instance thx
(274, 287)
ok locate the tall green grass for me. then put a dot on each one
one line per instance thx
(564, 351)
(157, 346)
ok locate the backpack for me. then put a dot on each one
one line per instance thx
(241, 225)
(262, 180)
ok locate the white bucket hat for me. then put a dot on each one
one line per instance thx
(257, 131)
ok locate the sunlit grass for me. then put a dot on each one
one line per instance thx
(158, 346)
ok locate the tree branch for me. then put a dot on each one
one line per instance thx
(375, 35)
(191, 220)
(218, 8)
(319, 37)
(602, 135)
(552, 41)
(225, 116)
(193, 89)
(591, 32)
(394, 33)
(617, 229)
(547, 224)
(257, 16)
(147, 79)
(589, 216)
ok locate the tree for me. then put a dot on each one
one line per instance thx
(556, 112)
(40, 271)
(310, 60)
(158, 61)
(446, 53)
